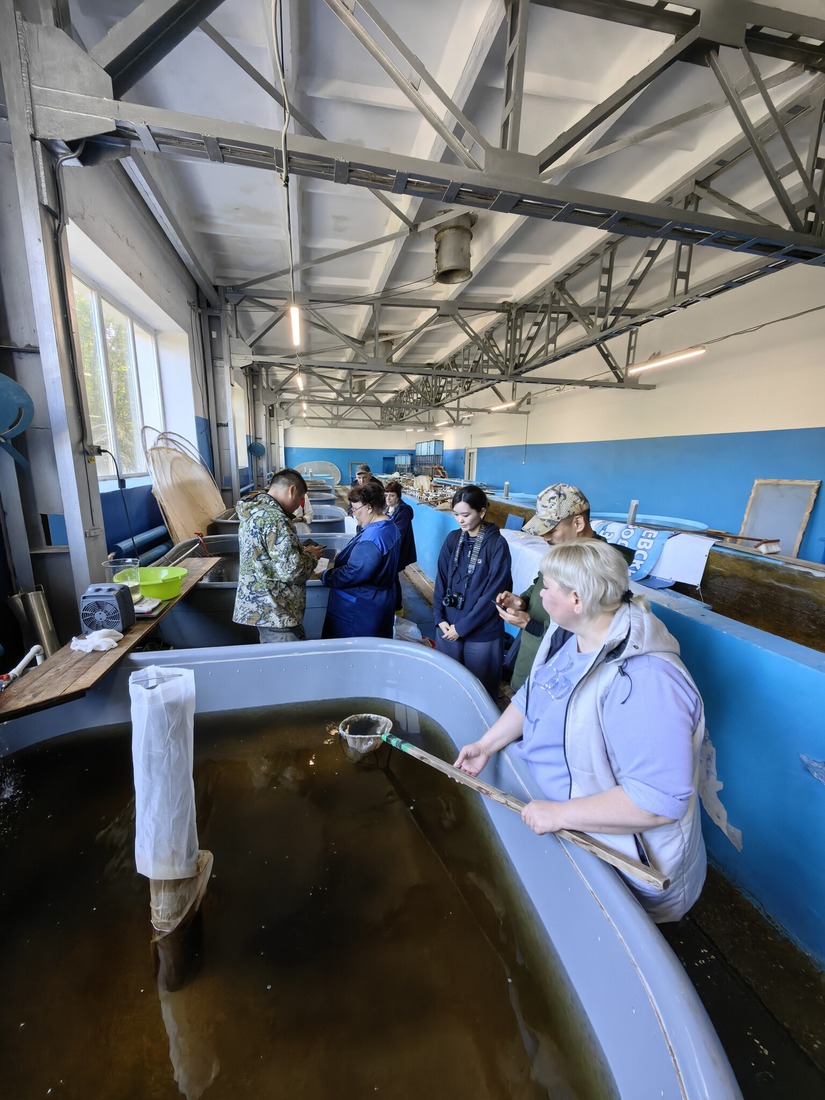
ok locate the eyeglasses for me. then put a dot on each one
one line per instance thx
(555, 683)
(356, 504)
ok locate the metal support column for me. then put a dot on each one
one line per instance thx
(228, 448)
(46, 259)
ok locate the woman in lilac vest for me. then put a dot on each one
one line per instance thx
(610, 724)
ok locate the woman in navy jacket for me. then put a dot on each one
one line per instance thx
(402, 516)
(363, 577)
(473, 560)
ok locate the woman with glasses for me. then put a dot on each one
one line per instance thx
(473, 567)
(611, 726)
(362, 578)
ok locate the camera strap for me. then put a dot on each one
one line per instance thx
(475, 554)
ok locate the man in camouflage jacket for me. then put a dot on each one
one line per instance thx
(274, 566)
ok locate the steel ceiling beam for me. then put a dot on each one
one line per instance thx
(427, 370)
(58, 113)
(744, 88)
(518, 14)
(602, 111)
(270, 89)
(710, 288)
(139, 172)
(724, 159)
(145, 36)
(763, 28)
(759, 150)
(410, 90)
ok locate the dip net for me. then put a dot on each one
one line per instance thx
(361, 734)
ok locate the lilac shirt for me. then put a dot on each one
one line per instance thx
(649, 716)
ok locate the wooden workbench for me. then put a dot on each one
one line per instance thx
(68, 674)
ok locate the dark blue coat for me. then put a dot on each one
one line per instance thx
(362, 582)
(402, 517)
(478, 620)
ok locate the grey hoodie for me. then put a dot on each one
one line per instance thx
(676, 849)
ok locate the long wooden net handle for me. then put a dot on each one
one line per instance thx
(632, 867)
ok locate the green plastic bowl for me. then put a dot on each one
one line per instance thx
(161, 582)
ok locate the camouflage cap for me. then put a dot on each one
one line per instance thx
(553, 504)
(362, 468)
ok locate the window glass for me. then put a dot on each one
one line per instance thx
(123, 382)
(97, 392)
(151, 399)
(120, 369)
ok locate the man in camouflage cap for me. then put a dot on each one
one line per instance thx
(274, 566)
(562, 515)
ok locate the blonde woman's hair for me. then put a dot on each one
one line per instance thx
(594, 569)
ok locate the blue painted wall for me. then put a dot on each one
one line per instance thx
(430, 527)
(374, 457)
(454, 462)
(764, 698)
(703, 477)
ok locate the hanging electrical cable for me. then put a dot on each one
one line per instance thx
(293, 310)
(121, 484)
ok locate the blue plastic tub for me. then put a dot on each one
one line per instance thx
(655, 521)
(620, 981)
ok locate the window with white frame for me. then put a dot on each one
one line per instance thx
(120, 368)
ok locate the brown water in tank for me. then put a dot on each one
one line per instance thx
(357, 939)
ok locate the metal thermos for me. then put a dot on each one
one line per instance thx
(506, 492)
(32, 613)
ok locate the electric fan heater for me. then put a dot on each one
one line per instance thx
(106, 607)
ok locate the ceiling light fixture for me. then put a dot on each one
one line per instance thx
(300, 381)
(442, 424)
(498, 408)
(295, 324)
(664, 360)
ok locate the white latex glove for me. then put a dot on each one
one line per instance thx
(98, 640)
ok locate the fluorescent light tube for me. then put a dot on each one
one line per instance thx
(498, 408)
(295, 323)
(663, 360)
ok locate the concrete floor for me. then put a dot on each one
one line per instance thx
(765, 998)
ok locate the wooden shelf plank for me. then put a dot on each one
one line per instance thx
(69, 674)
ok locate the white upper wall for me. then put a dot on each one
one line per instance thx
(374, 439)
(763, 380)
(105, 206)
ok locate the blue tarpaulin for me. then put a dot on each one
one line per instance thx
(646, 543)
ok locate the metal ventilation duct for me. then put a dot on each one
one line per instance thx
(452, 250)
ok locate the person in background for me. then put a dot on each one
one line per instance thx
(474, 565)
(363, 577)
(562, 515)
(273, 565)
(363, 474)
(402, 516)
(611, 726)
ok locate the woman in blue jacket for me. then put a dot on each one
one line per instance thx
(473, 561)
(402, 516)
(362, 579)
